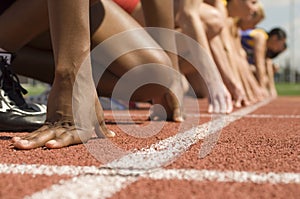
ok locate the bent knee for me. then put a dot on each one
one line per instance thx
(213, 22)
(152, 64)
(148, 56)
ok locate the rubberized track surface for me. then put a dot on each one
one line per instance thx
(252, 153)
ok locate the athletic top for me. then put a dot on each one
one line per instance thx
(247, 37)
(127, 5)
(224, 2)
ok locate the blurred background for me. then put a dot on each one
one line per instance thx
(279, 13)
(285, 14)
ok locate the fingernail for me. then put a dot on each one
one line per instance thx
(238, 104)
(24, 142)
(52, 142)
(179, 119)
(15, 139)
(230, 109)
(110, 133)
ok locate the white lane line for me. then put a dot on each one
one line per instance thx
(158, 174)
(225, 176)
(86, 187)
(166, 151)
(49, 170)
(161, 153)
(258, 116)
(120, 115)
(274, 116)
(104, 183)
(101, 187)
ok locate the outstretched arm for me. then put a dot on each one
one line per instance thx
(188, 18)
(260, 60)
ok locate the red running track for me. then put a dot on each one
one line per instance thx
(252, 153)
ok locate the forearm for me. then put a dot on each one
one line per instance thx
(270, 73)
(260, 62)
(222, 61)
(261, 74)
(69, 19)
(188, 18)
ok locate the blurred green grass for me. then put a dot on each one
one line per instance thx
(288, 89)
(34, 90)
(283, 89)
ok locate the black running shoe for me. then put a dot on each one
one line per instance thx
(15, 113)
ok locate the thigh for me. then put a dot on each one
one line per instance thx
(144, 48)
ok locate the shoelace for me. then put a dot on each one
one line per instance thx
(10, 83)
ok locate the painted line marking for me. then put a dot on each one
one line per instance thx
(165, 151)
(226, 176)
(95, 182)
(274, 116)
(86, 187)
(258, 116)
(155, 156)
(101, 187)
(158, 174)
(120, 115)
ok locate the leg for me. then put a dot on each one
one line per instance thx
(121, 65)
(35, 60)
(23, 21)
(19, 29)
(67, 66)
(140, 55)
(212, 27)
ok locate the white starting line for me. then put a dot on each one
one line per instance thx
(157, 174)
(94, 182)
(167, 150)
(120, 115)
(108, 180)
